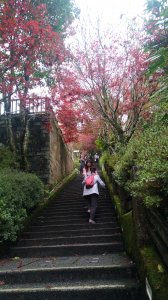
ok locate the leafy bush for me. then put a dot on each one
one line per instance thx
(100, 144)
(123, 167)
(152, 176)
(149, 153)
(18, 193)
(7, 159)
(109, 159)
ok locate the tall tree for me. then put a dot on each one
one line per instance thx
(28, 49)
(61, 13)
(112, 70)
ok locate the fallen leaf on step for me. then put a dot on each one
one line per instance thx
(16, 258)
(2, 282)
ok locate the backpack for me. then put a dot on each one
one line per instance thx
(89, 182)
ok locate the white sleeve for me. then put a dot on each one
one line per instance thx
(98, 179)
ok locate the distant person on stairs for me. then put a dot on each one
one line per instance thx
(87, 167)
(91, 194)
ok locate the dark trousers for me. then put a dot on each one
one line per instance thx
(92, 204)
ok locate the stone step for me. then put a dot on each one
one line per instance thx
(66, 250)
(70, 240)
(68, 226)
(79, 200)
(70, 290)
(39, 275)
(75, 211)
(61, 256)
(80, 207)
(74, 216)
(68, 233)
(84, 220)
(78, 226)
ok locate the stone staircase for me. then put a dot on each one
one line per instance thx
(61, 256)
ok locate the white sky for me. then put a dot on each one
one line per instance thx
(110, 10)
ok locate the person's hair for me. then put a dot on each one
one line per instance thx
(93, 170)
(86, 166)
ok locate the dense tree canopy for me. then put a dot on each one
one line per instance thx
(61, 13)
(113, 83)
(30, 54)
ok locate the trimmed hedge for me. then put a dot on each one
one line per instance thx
(19, 192)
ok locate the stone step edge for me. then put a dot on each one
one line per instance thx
(70, 237)
(73, 217)
(74, 268)
(76, 215)
(73, 230)
(75, 224)
(68, 246)
(122, 285)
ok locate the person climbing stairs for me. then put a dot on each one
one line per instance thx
(61, 256)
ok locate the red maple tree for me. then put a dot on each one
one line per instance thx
(30, 51)
(113, 72)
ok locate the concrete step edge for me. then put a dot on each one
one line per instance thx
(72, 237)
(75, 224)
(74, 268)
(72, 231)
(68, 246)
(124, 285)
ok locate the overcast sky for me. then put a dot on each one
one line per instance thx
(110, 10)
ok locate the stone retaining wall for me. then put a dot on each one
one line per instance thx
(47, 155)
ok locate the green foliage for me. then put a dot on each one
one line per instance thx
(18, 193)
(152, 176)
(148, 152)
(7, 159)
(61, 12)
(100, 144)
(157, 44)
(157, 29)
(109, 159)
(123, 168)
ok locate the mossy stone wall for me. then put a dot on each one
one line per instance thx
(46, 153)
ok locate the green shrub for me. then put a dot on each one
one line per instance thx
(100, 144)
(7, 159)
(149, 153)
(123, 167)
(152, 175)
(109, 159)
(19, 192)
